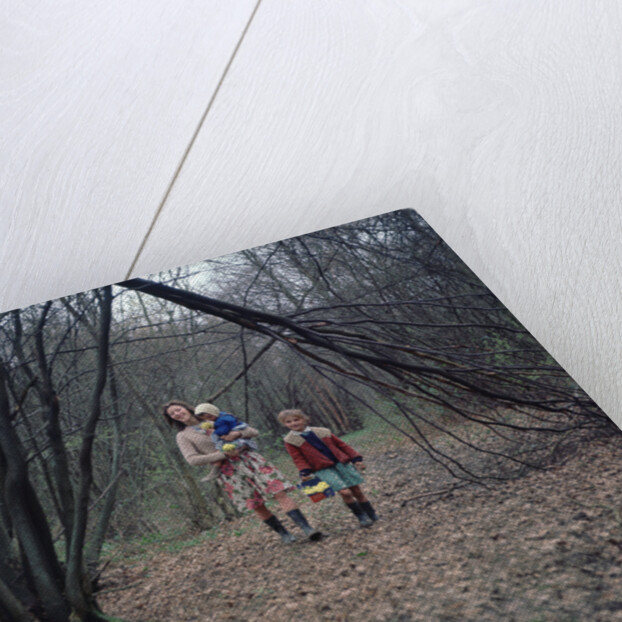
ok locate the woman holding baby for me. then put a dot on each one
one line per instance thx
(246, 476)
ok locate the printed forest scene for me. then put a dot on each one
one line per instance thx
(347, 425)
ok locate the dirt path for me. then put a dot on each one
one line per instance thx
(547, 547)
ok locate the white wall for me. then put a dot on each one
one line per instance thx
(499, 122)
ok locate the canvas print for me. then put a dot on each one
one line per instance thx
(342, 426)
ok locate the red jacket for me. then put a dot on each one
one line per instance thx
(308, 458)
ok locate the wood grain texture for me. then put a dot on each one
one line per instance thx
(98, 103)
(499, 122)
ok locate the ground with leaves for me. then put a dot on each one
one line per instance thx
(545, 547)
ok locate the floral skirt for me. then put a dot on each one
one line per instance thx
(248, 479)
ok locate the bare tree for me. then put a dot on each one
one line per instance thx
(384, 303)
(50, 587)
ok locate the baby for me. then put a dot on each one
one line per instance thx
(222, 424)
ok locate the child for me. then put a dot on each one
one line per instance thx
(318, 452)
(223, 424)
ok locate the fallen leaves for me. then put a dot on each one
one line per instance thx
(544, 547)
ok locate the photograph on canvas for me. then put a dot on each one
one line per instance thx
(346, 425)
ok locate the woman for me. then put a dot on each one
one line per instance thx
(246, 476)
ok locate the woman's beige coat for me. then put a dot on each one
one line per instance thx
(198, 447)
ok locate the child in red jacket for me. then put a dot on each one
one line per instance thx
(317, 452)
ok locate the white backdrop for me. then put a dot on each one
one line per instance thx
(141, 136)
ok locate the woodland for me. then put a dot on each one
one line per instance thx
(375, 324)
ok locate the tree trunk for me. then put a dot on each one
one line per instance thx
(52, 408)
(28, 520)
(11, 608)
(94, 547)
(78, 586)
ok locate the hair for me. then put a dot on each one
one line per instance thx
(173, 422)
(292, 412)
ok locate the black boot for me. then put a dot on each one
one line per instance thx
(274, 523)
(369, 510)
(358, 511)
(299, 518)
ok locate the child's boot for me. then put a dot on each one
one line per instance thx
(274, 523)
(369, 510)
(358, 511)
(299, 518)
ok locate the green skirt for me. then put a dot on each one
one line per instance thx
(340, 476)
